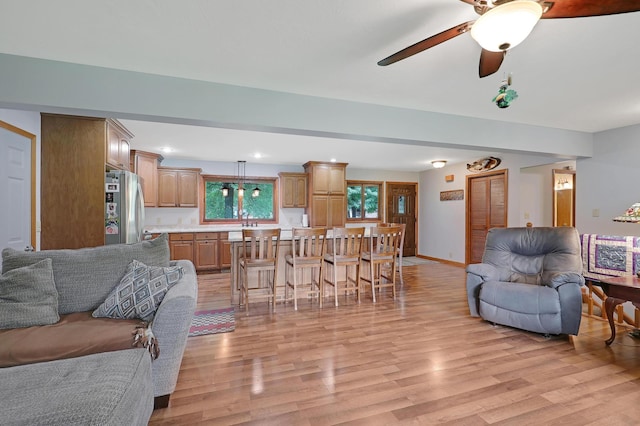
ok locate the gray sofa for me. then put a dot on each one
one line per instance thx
(83, 279)
(529, 278)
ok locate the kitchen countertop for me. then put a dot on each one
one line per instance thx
(235, 231)
(207, 228)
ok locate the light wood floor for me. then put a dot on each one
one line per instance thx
(419, 360)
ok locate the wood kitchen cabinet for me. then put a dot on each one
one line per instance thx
(118, 145)
(326, 193)
(293, 190)
(225, 250)
(145, 165)
(73, 163)
(181, 246)
(177, 187)
(206, 251)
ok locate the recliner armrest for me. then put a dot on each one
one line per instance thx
(560, 278)
(485, 271)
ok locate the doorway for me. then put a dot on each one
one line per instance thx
(486, 208)
(401, 208)
(17, 187)
(564, 197)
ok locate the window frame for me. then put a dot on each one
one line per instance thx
(204, 178)
(363, 184)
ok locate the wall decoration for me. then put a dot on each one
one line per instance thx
(448, 178)
(457, 194)
(484, 164)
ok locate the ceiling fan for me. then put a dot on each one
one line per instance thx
(503, 24)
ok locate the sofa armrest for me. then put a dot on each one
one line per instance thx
(561, 278)
(478, 273)
(171, 327)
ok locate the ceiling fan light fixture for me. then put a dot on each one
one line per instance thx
(438, 164)
(507, 25)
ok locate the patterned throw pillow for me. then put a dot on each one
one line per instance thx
(140, 292)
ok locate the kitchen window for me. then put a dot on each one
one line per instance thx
(363, 201)
(254, 206)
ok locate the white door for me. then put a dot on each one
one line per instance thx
(15, 190)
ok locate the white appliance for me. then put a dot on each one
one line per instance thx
(124, 208)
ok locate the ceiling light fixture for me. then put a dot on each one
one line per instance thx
(438, 164)
(506, 26)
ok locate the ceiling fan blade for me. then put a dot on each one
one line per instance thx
(490, 62)
(584, 8)
(427, 43)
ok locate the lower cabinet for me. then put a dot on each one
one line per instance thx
(209, 251)
(225, 251)
(181, 246)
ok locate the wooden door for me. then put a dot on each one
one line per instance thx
(564, 197)
(486, 209)
(401, 208)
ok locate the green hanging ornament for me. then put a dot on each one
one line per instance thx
(505, 95)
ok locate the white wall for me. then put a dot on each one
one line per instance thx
(609, 182)
(537, 183)
(442, 226)
(29, 122)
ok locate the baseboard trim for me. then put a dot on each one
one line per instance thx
(447, 262)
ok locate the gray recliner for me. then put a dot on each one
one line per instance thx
(529, 278)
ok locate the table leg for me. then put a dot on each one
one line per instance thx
(610, 306)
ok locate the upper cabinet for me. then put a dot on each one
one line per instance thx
(293, 190)
(177, 187)
(118, 144)
(145, 165)
(326, 193)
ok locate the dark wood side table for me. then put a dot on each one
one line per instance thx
(619, 290)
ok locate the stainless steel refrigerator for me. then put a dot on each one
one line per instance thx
(124, 208)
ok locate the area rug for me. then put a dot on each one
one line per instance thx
(412, 261)
(212, 322)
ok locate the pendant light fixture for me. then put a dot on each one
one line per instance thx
(242, 166)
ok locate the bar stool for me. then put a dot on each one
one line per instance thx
(382, 249)
(400, 246)
(259, 253)
(307, 253)
(345, 251)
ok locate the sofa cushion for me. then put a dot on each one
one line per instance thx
(108, 389)
(140, 292)
(28, 296)
(520, 297)
(73, 336)
(84, 277)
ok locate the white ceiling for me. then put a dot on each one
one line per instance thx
(578, 74)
